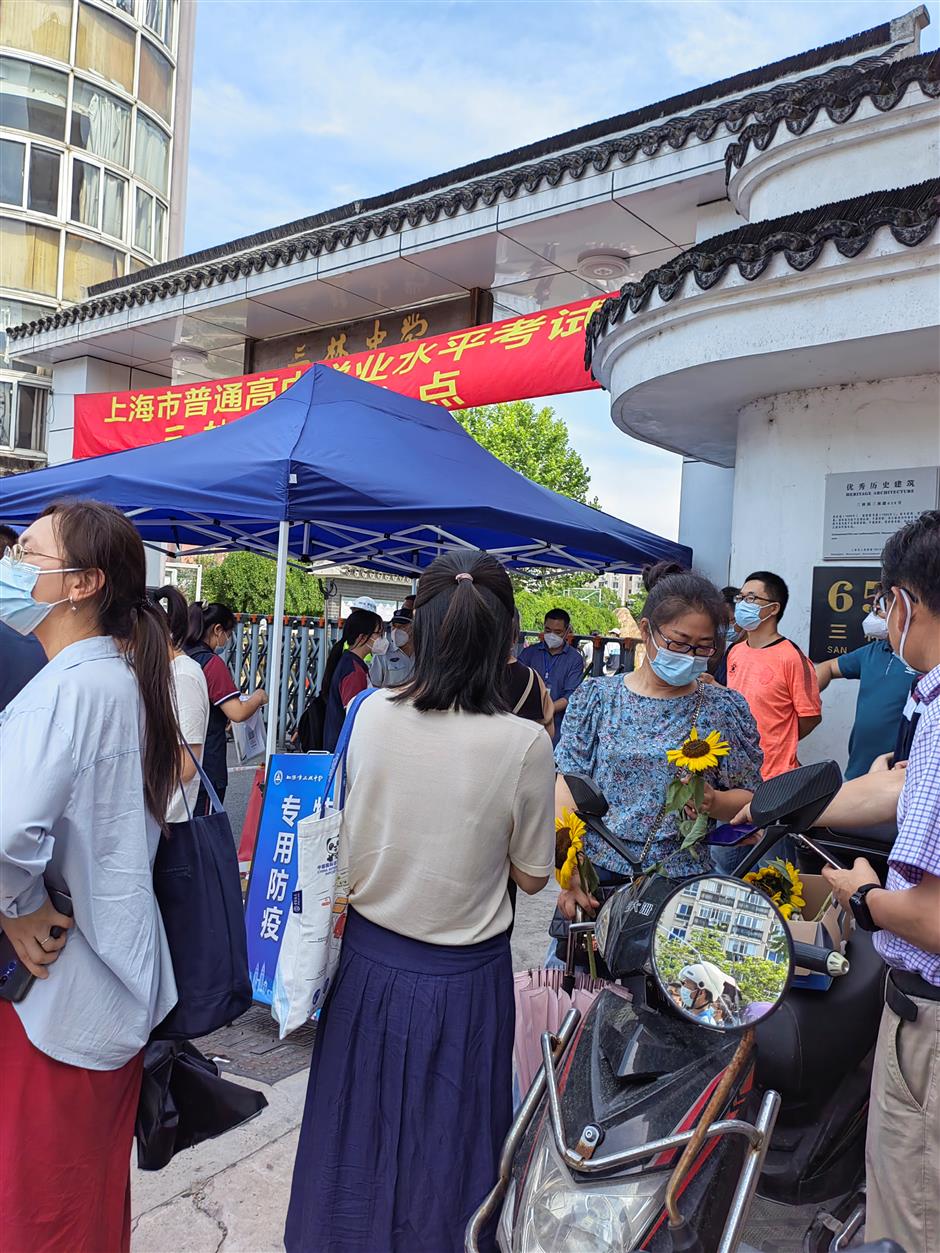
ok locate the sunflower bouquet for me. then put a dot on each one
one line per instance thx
(691, 759)
(571, 859)
(780, 880)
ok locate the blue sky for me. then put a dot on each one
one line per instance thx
(300, 106)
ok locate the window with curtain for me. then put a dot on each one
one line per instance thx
(42, 26)
(12, 171)
(31, 417)
(88, 263)
(44, 166)
(143, 214)
(159, 231)
(6, 411)
(86, 180)
(14, 313)
(112, 207)
(155, 84)
(158, 17)
(106, 45)
(29, 258)
(101, 124)
(151, 153)
(32, 98)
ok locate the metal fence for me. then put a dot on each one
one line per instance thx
(306, 642)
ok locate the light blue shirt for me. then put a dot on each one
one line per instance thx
(72, 810)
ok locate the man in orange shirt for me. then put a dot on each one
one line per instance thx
(772, 674)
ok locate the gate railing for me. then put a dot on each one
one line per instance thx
(306, 642)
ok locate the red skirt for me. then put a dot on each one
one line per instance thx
(65, 1149)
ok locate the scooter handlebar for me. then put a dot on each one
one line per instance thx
(825, 961)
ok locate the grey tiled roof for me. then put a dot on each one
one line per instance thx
(910, 213)
(503, 177)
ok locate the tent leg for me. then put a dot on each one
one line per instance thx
(274, 643)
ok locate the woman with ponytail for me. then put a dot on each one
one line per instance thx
(208, 633)
(346, 673)
(89, 760)
(448, 798)
(191, 699)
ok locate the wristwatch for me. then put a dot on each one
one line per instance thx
(860, 908)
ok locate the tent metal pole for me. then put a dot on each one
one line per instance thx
(274, 642)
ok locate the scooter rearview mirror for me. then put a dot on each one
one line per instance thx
(721, 953)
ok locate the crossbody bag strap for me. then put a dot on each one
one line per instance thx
(338, 768)
(206, 783)
(525, 695)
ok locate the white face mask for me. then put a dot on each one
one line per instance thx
(399, 637)
(379, 647)
(552, 640)
(875, 628)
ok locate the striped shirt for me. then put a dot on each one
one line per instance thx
(916, 851)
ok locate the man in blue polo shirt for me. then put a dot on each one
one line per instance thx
(884, 689)
(560, 665)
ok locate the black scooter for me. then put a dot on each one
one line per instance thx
(701, 1077)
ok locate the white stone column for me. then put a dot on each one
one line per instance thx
(705, 505)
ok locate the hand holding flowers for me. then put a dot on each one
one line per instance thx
(688, 794)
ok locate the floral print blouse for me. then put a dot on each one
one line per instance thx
(620, 739)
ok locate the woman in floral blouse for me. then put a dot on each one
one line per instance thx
(618, 731)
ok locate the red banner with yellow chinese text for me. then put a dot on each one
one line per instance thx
(538, 354)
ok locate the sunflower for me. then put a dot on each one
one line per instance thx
(782, 883)
(569, 842)
(696, 755)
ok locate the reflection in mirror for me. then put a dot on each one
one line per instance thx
(722, 953)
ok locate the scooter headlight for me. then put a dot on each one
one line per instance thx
(560, 1216)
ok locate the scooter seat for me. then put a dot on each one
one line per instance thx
(815, 1038)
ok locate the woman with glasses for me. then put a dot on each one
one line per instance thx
(619, 729)
(89, 760)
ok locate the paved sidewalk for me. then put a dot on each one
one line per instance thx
(230, 1195)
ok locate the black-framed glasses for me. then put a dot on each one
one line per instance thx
(753, 599)
(676, 646)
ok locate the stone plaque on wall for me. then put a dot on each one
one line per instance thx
(382, 331)
(865, 508)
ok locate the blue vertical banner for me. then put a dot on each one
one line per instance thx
(295, 786)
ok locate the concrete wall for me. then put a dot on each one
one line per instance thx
(77, 377)
(705, 508)
(787, 444)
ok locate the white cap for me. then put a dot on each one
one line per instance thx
(364, 602)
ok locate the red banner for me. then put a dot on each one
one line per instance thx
(538, 354)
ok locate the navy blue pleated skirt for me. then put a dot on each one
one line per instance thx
(409, 1098)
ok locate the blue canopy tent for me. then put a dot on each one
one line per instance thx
(337, 471)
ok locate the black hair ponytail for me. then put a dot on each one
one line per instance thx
(177, 613)
(359, 623)
(462, 634)
(94, 536)
(203, 616)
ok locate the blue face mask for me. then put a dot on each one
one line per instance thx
(677, 669)
(18, 609)
(731, 633)
(747, 615)
(685, 995)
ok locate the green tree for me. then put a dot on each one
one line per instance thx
(757, 978)
(532, 441)
(245, 582)
(586, 619)
(636, 604)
